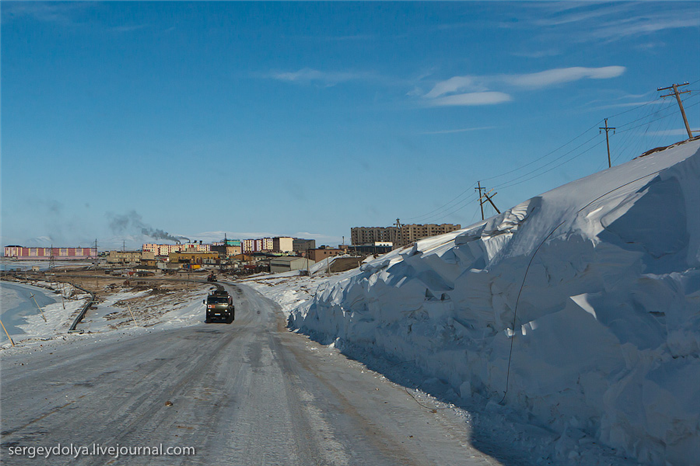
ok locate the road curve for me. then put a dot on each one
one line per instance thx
(249, 393)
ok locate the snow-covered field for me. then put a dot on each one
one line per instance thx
(116, 311)
(579, 308)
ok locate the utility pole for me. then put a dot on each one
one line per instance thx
(398, 230)
(607, 140)
(486, 195)
(481, 202)
(680, 104)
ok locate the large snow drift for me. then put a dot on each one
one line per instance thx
(595, 286)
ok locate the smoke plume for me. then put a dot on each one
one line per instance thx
(133, 221)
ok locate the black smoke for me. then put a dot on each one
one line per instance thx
(133, 221)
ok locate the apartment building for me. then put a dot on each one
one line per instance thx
(399, 236)
(166, 249)
(283, 244)
(302, 245)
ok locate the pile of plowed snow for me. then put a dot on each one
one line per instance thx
(583, 303)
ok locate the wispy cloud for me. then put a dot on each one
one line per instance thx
(563, 75)
(461, 130)
(128, 28)
(328, 78)
(48, 12)
(469, 99)
(611, 22)
(644, 25)
(455, 84)
(479, 90)
(538, 53)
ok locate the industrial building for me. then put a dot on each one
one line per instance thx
(193, 257)
(24, 253)
(317, 255)
(288, 263)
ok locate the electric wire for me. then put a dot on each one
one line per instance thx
(527, 269)
(650, 116)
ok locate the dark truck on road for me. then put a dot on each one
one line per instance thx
(220, 307)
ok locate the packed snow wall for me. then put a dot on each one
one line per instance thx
(594, 286)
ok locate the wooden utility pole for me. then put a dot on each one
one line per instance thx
(31, 295)
(481, 202)
(398, 230)
(486, 195)
(7, 333)
(607, 140)
(680, 104)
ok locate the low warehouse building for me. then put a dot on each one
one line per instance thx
(288, 263)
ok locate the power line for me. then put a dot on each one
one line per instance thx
(650, 115)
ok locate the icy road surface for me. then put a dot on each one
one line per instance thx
(249, 393)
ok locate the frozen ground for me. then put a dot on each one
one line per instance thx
(578, 310)
(126, 309)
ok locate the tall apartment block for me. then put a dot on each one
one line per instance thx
(400, 237)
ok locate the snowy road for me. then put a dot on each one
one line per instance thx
(249, 393)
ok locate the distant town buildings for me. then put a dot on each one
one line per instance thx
(399, 236)
(24, 253)
(279, 244)
(227, 249)
(166, 249)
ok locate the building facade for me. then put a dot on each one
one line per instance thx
(124, 257)
(317, 255)
(258, 245)
(23, 253)
(283, 244)
(399, 236)
(166, 249)
(194, 257)
(302, 245)
(289, 263)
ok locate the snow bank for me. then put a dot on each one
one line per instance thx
(581, 306)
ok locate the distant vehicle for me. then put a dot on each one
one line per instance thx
(219, 307)
(211, 277)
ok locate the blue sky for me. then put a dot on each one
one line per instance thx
(306, 119)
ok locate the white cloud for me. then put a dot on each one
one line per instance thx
(563, 75)
(444, 93)
(471, 98)
(457, 83)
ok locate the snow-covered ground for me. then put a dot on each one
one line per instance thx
(579, 309)
(116, 311)
(25, 321)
